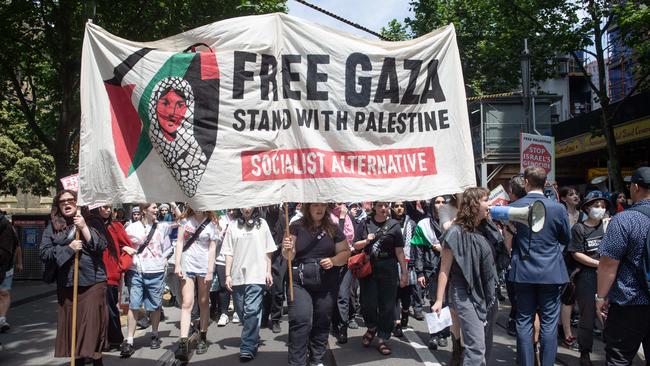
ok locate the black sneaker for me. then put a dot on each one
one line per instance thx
(275, 326)
(404, 321)
(245, 357)
(397, 331)
(443, 342)
(155, 342)
(342, 336)
(202, 344)
(584, 359)
(143, 323)
(183, 351)
(418, 315)
(433, 343)
(126, 349)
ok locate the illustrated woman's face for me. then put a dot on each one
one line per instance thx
(171, 109)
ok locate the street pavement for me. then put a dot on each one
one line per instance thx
(33, 320)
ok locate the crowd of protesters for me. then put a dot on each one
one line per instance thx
(589, 265)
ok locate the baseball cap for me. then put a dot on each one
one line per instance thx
(641, 177)
(135, 209)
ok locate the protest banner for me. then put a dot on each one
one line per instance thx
(264, 109)
(538, 150)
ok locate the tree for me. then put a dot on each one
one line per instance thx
(395, 31)
(490, 35)
(40, 62)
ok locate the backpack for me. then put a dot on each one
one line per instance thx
(645, 256)
(8, 243)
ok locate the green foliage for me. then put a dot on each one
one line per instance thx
(40, 70)
(395, 31)
(491, 35)
(633, 19)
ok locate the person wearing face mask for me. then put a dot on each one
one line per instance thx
(585, 241)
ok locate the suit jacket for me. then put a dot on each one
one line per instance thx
(538, 258)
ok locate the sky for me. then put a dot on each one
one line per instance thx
(372, 14)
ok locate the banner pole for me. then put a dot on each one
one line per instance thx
(75, 287)
(286, 234)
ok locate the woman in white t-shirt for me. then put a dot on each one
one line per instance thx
(195, 257)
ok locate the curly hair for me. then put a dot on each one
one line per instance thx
(469, 207)
(326, 223)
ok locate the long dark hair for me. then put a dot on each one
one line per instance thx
(326, 223)
(95, 221)
(103, 229)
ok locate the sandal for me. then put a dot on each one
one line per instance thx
(384, 349)
(368, 337)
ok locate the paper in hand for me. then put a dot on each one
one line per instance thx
(438, 322)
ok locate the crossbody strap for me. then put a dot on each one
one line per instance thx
(196, 234)
(146, 242)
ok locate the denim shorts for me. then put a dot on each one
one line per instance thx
(145, 288)
(193, 275)
(6, 284)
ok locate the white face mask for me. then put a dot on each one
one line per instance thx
(597, 213)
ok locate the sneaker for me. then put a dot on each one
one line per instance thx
(143, 323)
(397, 331)
(512, 327)
(342, 336)
(443, 342)
(404, 321)
(433, 343)
(235, 318)
(223, 320)
(245, 357)
(418, 315)
(126, 349)
(571, 343)
(202, 344)
(4, 327)
(316, 364)
(275, 327)
(183, 351)
(155, 342)
(352, 324)
(584, 359)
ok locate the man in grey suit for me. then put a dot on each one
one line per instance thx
(538, 271)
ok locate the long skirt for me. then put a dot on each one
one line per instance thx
(92, 319)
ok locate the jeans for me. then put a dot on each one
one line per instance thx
(530, 297)
(378, 294)
(248, 305)
(309, 324)
(345, 309)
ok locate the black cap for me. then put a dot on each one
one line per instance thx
(641, 177)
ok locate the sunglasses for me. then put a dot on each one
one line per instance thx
(71, 201)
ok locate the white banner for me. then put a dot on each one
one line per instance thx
(538, 150)
(272, 108)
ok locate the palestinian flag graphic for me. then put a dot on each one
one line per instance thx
(177, 114)
(424, 235)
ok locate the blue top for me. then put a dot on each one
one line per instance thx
(625, 241)
(538, 258)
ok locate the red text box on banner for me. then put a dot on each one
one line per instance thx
(317, 163)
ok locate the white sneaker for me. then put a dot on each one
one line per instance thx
(235, 318)
(223, 320)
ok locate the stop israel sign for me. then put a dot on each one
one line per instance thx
(537, 150)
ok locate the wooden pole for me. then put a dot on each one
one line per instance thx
(286, 234)
(75, 287)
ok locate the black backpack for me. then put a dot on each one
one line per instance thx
(645, 256)
(8, 243)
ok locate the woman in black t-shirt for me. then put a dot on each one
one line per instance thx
(385, 245)
(585, 241)
(316, 246)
